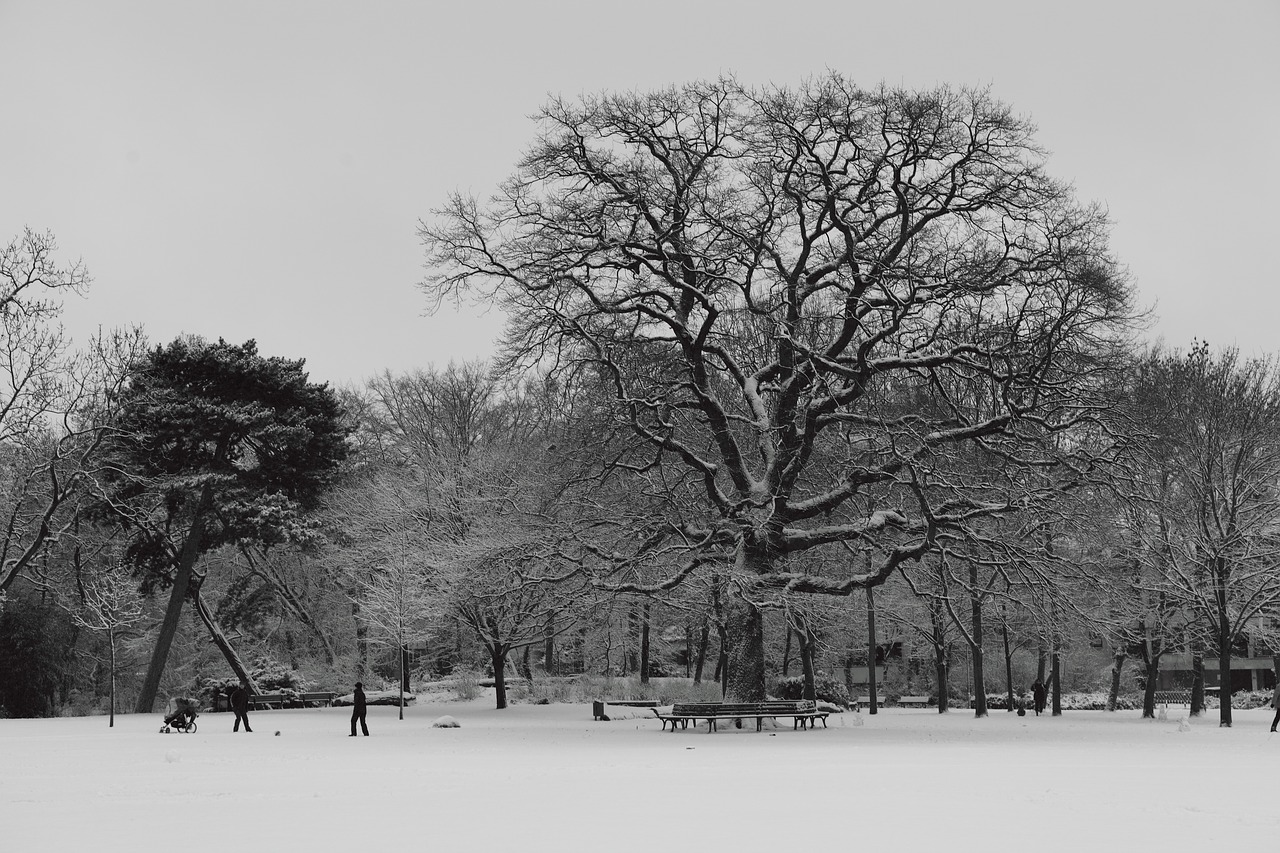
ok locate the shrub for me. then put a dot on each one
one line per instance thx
(826, 688)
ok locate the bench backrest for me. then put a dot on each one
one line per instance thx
(699, 709)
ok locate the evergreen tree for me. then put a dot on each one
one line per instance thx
(217, 445)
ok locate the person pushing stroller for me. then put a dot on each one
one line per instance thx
(181, 715)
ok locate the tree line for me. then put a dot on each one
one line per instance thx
(778, 360)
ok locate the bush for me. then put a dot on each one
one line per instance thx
(270, 676)
(826, 688)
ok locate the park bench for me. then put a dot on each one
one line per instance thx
(914, 701)
(1173, 697)
(803, 713)
(600, 707)
(269, 701)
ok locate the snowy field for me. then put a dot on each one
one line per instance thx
(551, 778)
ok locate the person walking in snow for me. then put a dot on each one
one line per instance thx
(1275, 703)
(1037, 696)
(358, 710)
(240, 704)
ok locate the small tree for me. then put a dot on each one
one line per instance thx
(111, 607)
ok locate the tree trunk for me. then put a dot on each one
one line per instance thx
(1042, 663)
(1224, 669)
(1197, 683)
(744, 631)
(873, 698)
(111, 642)
(362, 641)
(704, 640)
(786, 652)
(1008, 661)
(1057, 681)
(526, 666)
(1151, 672)
(1117, 666)
(498, 659)
(644, 644)
(549, 662)
(975, 648)
(173, 612)
(806, 642)
(220, 640)
(630, 656)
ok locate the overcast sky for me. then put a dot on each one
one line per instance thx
(257, 169)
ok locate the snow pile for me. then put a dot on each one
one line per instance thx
(445, 722)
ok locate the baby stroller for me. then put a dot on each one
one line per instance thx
(181, 716)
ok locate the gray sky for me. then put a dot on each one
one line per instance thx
(257, 169)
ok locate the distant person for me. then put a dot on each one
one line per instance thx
(1275, 703)
(1020, 703)
(240, 704)
(1037, 696)
(358, 711)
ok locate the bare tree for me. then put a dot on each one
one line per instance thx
(745, 269)
(1213, 466)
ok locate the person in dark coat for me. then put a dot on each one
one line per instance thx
(1275, 702)
(1037, 696)
(240, 704)
(358, 711)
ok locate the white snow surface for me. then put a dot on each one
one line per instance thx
(549, 777)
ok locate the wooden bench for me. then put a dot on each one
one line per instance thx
(914, 701)
(264, 701)
(802, 713)
(325, 699)
(1173, 697)
(599, 707)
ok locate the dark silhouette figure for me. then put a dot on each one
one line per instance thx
(1275, 701)
(240, 704)
(358, 711)
(1037, 696)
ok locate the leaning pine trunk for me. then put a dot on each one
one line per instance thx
(183, 572)
(220, 640)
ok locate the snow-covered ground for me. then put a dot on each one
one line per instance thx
(551, 778)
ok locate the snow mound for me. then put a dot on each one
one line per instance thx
(445, 722)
